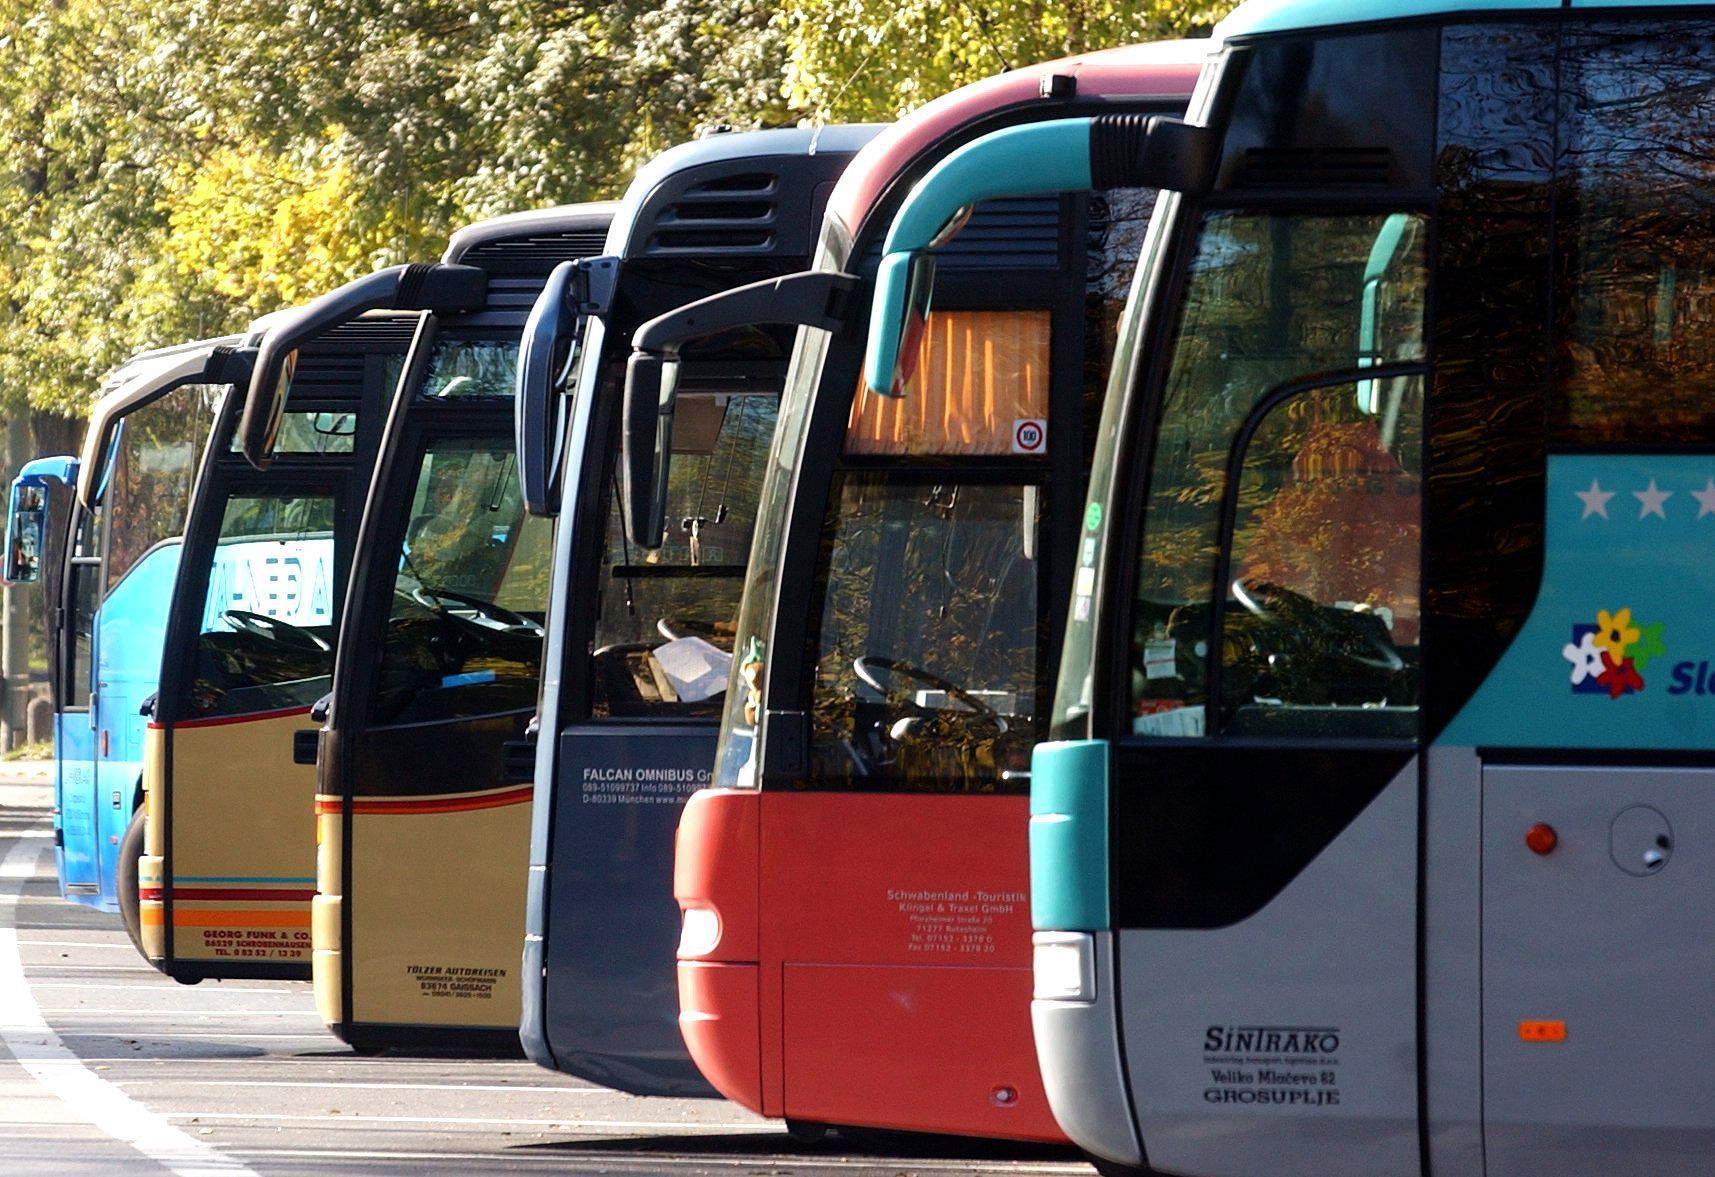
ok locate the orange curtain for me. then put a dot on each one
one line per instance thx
(978, 374)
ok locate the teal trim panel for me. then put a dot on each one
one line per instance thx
(1287, 16)
(1619, 650)
(1069, 836)
(1017, 161)
(887, 322)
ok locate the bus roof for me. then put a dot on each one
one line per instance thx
(718, 148)
(562, 218)
(1283, 16)
(1165, 68)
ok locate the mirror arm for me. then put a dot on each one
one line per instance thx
(818, 299)
(813, 298)
(416, 287)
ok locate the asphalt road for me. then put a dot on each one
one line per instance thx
(107, 1067)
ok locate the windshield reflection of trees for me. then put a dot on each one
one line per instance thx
(688, 589)
(464, 634)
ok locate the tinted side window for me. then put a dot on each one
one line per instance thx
(1636, 334)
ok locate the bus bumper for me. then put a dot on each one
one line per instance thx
(327, 963)
(151, 909)
(533, 980)
(719, 1018)
(1078, 1048)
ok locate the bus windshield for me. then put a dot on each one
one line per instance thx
(1299, 493)
(664, 635)
(465, 632)
(267, 618)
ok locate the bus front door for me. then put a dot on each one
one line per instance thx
(228, 870)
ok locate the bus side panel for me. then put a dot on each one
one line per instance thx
(242, 853)
(437, 909)
(75, 810)
(130, 632)
(1596, 960)
(1287, 1042)
(901, 927)
(612, 986)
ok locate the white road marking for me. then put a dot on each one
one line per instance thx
(39, 1051)
(619, 1157)
(96, 968)
(564, 1124)
(179, 1015)
(134, 988)
(345, 1085)
(239, 1037)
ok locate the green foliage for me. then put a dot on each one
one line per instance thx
(170, 171)
(859, 59)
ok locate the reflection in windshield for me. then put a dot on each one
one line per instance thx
(154, 458)
(465, 634)
(466, 369)
(268, 616)
(664, 636)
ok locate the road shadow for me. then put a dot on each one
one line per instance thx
(851, 1143)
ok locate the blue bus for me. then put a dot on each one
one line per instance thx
(101, 533)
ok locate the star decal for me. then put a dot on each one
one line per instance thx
(1595, 500)
(1705, 499)
(1650, 501)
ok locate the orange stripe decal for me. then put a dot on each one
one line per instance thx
(434, 805)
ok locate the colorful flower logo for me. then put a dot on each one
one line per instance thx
(1608, 658)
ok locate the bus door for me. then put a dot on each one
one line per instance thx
(228, 867)
(1595, 776)
(440, 674)
(661, 652)
(72, 630)
(119, 578)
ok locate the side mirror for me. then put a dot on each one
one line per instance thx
(1393, 236)
(26, 529)
(651, 385)
(813, 298)
(416, 287)
(905, 287)
(548, 361)
(1062, 155)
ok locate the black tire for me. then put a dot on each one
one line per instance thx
(1109, 1168)
(130, 903)
(806, 1131)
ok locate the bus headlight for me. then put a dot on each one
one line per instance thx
(699, 933)
(1065, 966)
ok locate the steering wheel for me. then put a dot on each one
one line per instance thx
(865, 667)
(259, 625)
(1272, 602)
(489, 615)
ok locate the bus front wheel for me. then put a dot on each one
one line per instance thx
(130, 904)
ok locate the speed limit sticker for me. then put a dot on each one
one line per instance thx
(1029, 435)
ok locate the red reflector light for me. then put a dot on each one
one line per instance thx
(1541, 838)
(1542, 1031)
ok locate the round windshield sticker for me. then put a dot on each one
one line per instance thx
(1093, 517)
(1029, 435)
